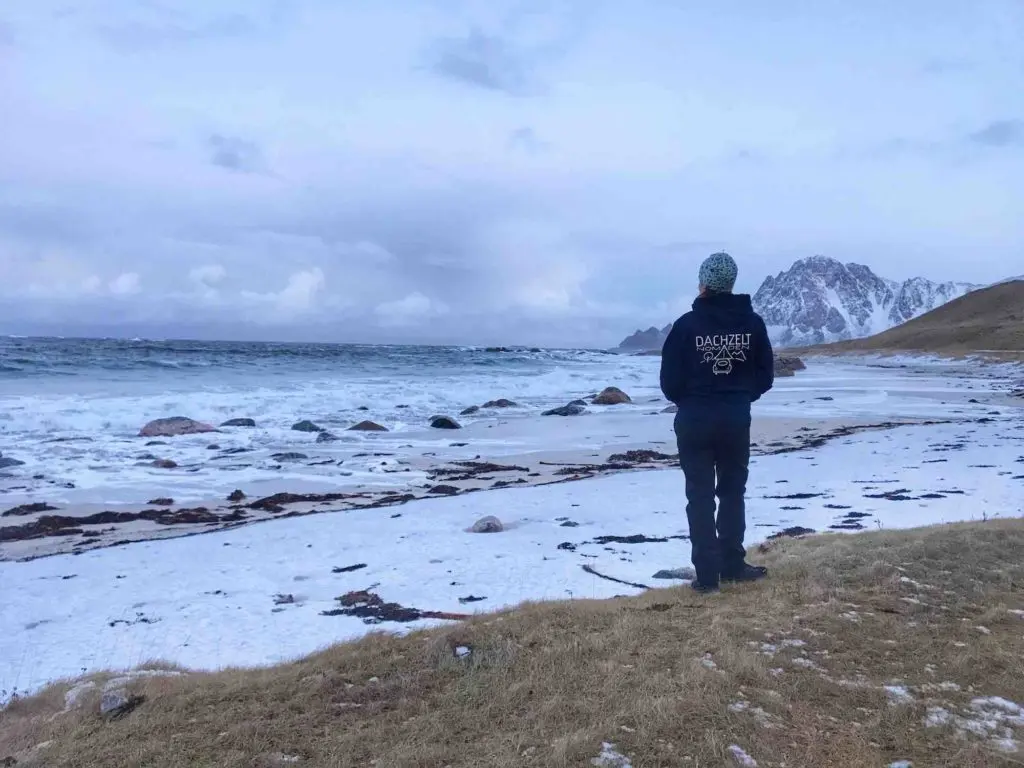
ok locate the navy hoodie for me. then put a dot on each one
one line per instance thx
(718, 354)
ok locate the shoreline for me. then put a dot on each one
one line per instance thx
(85, 528)
(519, 450)
(51, 530)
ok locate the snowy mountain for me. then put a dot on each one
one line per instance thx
(820, 299)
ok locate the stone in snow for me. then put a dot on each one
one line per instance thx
(681, 574)
(612, 396)
(788, 366)
(489, 524)
(367, 426)
(444, 422)
(239, 423)
(174, 426)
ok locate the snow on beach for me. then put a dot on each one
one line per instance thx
(259, 594)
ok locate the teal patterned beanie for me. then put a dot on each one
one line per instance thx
(718, 272)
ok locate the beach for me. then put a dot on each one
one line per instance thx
(843, 446)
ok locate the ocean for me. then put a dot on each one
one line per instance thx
(71, 409)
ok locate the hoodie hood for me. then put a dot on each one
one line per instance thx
(724, 305)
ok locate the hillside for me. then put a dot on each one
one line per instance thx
(986, 320)
(861, 651)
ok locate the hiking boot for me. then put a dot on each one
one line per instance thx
(702, 588)
(746, 573)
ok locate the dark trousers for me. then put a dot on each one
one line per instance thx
(714, 452)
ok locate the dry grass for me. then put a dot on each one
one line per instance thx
(791, 670)
(989, 320)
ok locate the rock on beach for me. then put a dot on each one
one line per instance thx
(174, 426)
(612, 396)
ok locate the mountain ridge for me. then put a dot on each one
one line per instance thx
(820, 300)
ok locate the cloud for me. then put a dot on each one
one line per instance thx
(235, 154)
(515, 54)
(484, 61)
(1000, 133)
(412, 309)
(126, 284)
(207, 275)
(302, 289)
(947, 66)
(173, 28)
(298, 297)
(526, 140)
(303, 169)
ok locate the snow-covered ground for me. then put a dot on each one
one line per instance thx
(258, 594)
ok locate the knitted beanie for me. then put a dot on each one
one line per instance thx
(718, 272)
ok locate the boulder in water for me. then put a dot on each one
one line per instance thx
(164, 464)
(470, 411)
(7, 461)
(572, 409)
(612, 396)
(367, 426)
(671, 409)
(307, 426)
(239, 423)
(500, 403)
(444, 422)
(173, 426)
(163, 501)
(236, 496)
(327, 437)
(289, 456)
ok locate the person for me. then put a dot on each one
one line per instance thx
(716, 361)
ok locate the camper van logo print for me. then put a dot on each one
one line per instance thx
(722, 349)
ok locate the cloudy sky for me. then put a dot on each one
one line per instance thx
(543, 171)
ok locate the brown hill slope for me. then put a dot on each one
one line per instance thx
(859, 651)
(987, 320)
